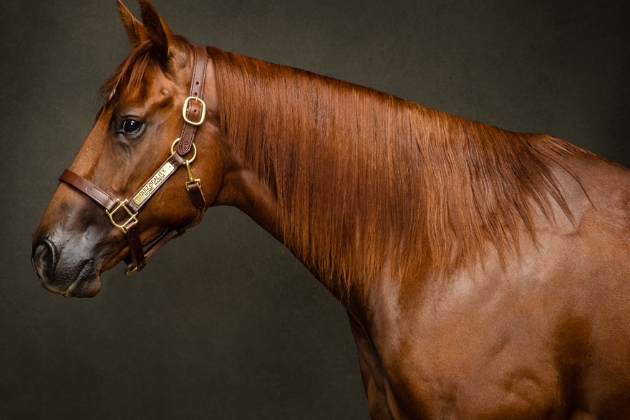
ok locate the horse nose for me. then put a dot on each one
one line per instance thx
(44, 258)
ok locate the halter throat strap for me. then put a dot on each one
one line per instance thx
(194, 112)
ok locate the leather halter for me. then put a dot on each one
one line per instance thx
(194, 112)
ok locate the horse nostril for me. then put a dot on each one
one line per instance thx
(43, 258)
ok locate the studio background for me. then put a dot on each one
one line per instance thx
(225, 323)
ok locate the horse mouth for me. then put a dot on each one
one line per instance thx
(86, 284)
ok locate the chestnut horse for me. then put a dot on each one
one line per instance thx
(485, 272)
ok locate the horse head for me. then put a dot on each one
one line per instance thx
(133, 153)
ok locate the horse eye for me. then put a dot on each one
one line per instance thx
(130, 126)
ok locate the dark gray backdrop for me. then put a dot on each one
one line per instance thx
(225, 323)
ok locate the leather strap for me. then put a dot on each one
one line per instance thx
(89, 189)
(195, 108)
(195, 111)
(196, 195)
(138, 259)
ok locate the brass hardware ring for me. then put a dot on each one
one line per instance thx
(194, 150)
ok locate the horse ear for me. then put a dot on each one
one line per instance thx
(157, 30)
(135, 30)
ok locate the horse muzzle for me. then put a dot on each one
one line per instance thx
(64, 270)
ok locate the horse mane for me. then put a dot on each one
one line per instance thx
(367, 181)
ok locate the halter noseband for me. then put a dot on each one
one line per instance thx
(194, 112)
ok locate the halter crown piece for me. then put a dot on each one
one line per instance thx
(194, 112)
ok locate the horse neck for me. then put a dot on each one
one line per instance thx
(257, 179)
(362, 186)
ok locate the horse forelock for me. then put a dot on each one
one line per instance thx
(368, 182)
(129, 73)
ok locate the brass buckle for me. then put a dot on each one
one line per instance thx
(185, 110)
(132, 216)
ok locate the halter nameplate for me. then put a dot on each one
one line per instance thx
(154, 183)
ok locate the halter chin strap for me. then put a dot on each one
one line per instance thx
(194, 112)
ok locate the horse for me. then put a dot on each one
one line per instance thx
(484, 272)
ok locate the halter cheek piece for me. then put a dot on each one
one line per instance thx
(194, 112)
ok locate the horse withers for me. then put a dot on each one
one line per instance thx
(485, 272)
